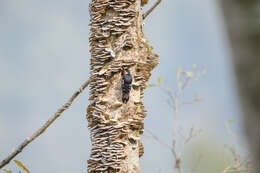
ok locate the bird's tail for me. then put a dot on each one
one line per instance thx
(125, 98)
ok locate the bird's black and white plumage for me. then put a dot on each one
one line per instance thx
(126, 85)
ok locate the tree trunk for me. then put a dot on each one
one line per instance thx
(243, 21)
(117, 42)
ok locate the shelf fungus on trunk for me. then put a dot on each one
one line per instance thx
(117, 42)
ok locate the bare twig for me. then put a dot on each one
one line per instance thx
(226, 170)
(239, 166)
(174, 103)
(151, 9)
(183, 79)
(158, 139)
(196, 166)
(227, 124)
(196, 99)
(186, 139)
(45, 125)
(193, 133)
(172, 149)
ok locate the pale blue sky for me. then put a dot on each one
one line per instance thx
(44, 57)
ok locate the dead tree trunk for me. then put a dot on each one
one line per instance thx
(243, 21)
(117, 42)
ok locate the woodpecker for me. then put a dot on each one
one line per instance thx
(126, 85)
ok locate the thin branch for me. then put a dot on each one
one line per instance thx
(158, 139)
(151, 9)
(227, 124)
(239, 166)
(186, 139)
(45, 125)
(196, 166)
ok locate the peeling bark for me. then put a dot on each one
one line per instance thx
(117, 42)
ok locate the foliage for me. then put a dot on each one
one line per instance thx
(20, 165)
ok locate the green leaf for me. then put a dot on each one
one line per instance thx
(189, 73)
(204, 70)
(179, 84)
(21, 166)
(159, 79)
(194, 65)
(177, 68)
(230, 121)
(7, 171)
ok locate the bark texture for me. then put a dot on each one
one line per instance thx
(243, 21)
(117, 42)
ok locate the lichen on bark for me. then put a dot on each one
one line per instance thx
(117, 42)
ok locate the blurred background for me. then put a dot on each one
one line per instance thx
(44, 58)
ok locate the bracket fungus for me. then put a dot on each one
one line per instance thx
(116, 42)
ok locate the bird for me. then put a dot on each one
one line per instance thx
(126, 85)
